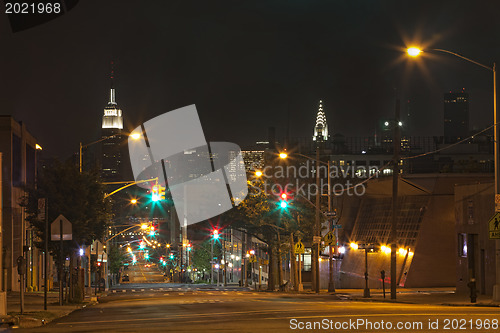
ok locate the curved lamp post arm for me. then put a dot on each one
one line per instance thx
(465, 58)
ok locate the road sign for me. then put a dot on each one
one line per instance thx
(96, 246)
(253, 258)
(331, 214)
(55, 229)
(494, 226)
(316, 239)
(497, 202)
(337, 226)
(299, 248)
(329, 239)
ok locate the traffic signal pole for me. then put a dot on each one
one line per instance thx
(395, 175)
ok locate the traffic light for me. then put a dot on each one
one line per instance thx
(283, 201)
(189, 246)
(155, 193)
(142, 245)
(171, 256)
(215, 234)
(161, 192)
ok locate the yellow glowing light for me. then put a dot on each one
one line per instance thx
(135, 136)
(320, 260)
(129, 249)
(354, 246)
(168, 245)
(410, 253)
(258, 173)
(144, 226)
(402, 251)
(413, 51)
(37, 146)
(385, 249)
(283, 155)
(133, 201)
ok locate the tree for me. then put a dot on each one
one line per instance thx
(115, 259)
(77, 196)
(201, 255)
(260, 215)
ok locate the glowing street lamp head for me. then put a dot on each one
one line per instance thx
(135, 136)
(354, 246)
(144, 226)
(413, 51)
(258, 173)
(133, 201)
(283, 155)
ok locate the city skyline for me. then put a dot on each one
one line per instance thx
(246, 68)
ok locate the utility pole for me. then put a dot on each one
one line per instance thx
(331, 283)
(395, 176)
(46, 255)
(317, 228)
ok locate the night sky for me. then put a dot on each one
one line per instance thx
(247, 65)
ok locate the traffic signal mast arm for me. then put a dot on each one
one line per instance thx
(128, 184)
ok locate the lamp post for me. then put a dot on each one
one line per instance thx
(414, 52)
(317, 225)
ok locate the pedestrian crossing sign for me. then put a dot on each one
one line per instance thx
(494, 226)
(299, 248)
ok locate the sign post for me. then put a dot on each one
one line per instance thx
(60, 231)
(299, 249)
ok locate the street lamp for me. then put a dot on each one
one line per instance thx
(413, 51)
(496, 137)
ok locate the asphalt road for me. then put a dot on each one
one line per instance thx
(198, 309)
(141, 274)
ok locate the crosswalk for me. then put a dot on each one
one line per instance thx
(223, 291)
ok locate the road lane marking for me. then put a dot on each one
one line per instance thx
(223, 314)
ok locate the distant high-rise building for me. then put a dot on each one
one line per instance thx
(456, 116)
(321, 128)
(111, 146)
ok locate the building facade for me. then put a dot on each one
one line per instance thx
(18, 148)
(456, 116)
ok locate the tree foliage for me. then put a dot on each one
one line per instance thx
(77, 196)
(201, 255)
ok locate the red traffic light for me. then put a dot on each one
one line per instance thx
(283, 196)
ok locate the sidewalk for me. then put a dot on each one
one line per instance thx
(430, 296)
(34, 315)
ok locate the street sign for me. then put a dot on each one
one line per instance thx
(253, 258)
(497, 202)
(494, 226)
(329, 239)
(331, 214)
(42, 204)
(299, 248)
(96, 246)
(55, 229)
(316, 239)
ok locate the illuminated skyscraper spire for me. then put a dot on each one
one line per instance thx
(321, 128)
(112, 117)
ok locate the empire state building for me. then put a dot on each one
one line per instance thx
(112, 139)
